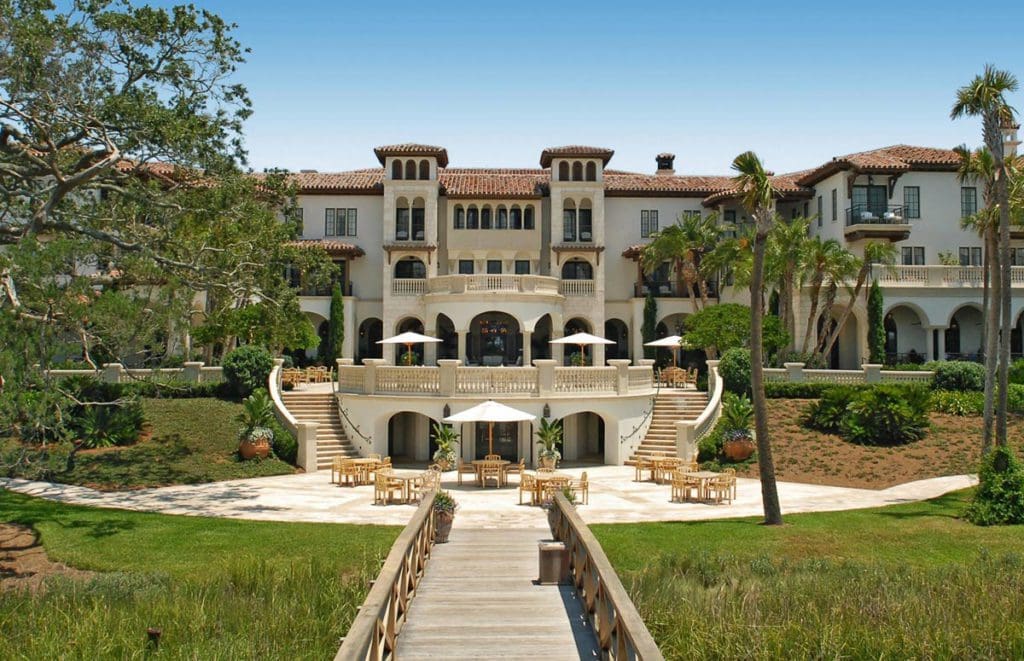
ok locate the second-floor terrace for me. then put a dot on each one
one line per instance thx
(493, 283)
(877, 220)
(938, 276)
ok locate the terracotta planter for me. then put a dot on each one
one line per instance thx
(738, 449)
(249, 449)
(442, 526)
(548, 462)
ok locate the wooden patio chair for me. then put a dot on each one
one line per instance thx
(462, 468)
(374, 455)
(730, 475)
(335, 468)
(384, 487)
(720, 488)
(528, 485)
(492, 457)
(581, 488)
(682, 485)
(349, 474)
(490, 471)
(642, 464)
(516, 469)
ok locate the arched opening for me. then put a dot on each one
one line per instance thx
(585, 220)
(577, 269)
(571, 354)
(563, 171)
(460, 217)
(501, 437)
(845, 353)
(583, 438)
(577, 171)
(591, 171)
(515, 216)
(410, 438)
(448, 348)
(409, 325)
(494, 339)
(472, 217)
(568, 220)
(410, 268)
(419, 219)
(402, 215)
(410, 169)
(906, 340)
(528, 218)
(485, 218)
(371, 331)
(502, 217)
(424, 169)
(540, 341)
(963, 336)
(396, 169)
(617, 331)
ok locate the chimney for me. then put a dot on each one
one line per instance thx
(665, 163)
(1010, 140)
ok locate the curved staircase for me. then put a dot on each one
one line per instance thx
(321, 408)
(670, 407)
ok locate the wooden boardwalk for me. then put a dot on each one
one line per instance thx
(478, 599)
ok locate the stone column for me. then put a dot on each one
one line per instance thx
(448, 377)
(872, 373)
(527, 348)
(942, 342)
(621, 366)
(929, 344)
(305, 435)
(193, 372)
(597, 355)
(545, 376)
(795, 372)
(557, 350)
(462, 345)
(370, 374)
(430, 348)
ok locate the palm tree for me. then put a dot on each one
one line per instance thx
(825, 261)
(980, 165)
(787, 244)
(683, 245)
(758, 197)
(985, 97)
(732, 255)
(874, 253)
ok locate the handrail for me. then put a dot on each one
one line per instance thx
(374, 631)
(649, 413)
(620, 631)
(282, 413)
(707, 418)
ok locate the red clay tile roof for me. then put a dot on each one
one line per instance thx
(633, 184)
(410, 149)
(886, 160)
(332, 246)
(494, 182)
(367, 182)
(575, 150)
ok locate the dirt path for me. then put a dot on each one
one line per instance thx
(23, 560)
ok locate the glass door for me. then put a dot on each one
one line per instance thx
(506, 440)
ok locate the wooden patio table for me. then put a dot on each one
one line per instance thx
(704, 477)
(366, 466)
(543, 478)
(480, 464)
(663, 467)
(408, 482)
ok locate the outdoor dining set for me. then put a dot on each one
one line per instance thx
(687, 480)
(388, 486)
(295, 375)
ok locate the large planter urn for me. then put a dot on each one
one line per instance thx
(548, 462)
(738, 449)
(249, 448)
(442, 526)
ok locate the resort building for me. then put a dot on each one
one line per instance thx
(498, 262)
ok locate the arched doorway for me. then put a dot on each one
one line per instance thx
(504, 439)
(573, 326)
(371, 331)
(906, 339)
(583, 437)
(409, 325)
(410, 437)
(449, 345)
(540, 341)
(494, 339)
(963, 336)
(616, 331)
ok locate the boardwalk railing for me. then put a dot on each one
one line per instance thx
(621, 632)
(374, 632)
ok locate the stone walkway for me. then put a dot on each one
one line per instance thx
(614, 498)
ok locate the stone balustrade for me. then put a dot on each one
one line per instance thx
(449, 378)
(868, 373)
(938, 276)
(492, 282)
(190, 372)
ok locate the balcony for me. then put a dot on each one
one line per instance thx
(577, 288)
(408, 286)
(938, 276)
(876, 221)
(324, 290)
(493, 283)
(670, 289)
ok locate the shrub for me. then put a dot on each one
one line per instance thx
(959, 375)
(886, 415)
(1017, 371)
(737, 412)
(1015, 397)
(286, 448)
(999, 499)
(248, 368)
(734, 368)
(826, 414)
(803, 390)
(958, 403)
(104, 426)
(709, 448)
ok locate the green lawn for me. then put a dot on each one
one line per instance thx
(194, 440)
(905, 581)
(218, 588)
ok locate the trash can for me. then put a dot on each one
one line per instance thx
(554, 563)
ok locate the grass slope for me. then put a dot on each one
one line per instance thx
(218, 588)
(194, 440)
(905, 581)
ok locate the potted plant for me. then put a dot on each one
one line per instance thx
(257, 413)
(444, 513)
(738, 439)
(445, 438)
(549, 437)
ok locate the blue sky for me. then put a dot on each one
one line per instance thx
(497, 82)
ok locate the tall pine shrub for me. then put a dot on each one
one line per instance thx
(649, 328)
(336, 326)
(876, 324)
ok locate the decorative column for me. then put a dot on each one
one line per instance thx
(795, 372)
(430, 348)
(621, 366)
(597, 355)
(447, 377)
(929, 344)
(942, 342)
(545, 376)
(557, 350)
(712, 371)
(527, 348)
(370, 366)
(462, 345)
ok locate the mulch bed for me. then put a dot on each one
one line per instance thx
(952, 447)
(23, 561)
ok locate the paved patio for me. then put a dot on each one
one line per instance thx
(614, 498)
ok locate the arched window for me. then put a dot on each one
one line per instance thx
(396, 169)
(585, 219)
(419, 220)
(473, 218)
(485, 218)
(591, 171)
(401, 219)
(516, 218)
(502, 219)
(891, 336)
(460, 217)
(424, 169)
(577, 269)
(569, 221)
(410, 169)
(563, 171)
(528, 218)
(410, 267)
(577, 171)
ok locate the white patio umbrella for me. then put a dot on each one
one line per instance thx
(408, 339)
(582, 339)
(490, 412)
(673, 342)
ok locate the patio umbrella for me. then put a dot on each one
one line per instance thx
(408, 339)
(673, 342)
(582, 339)
(490, 412)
